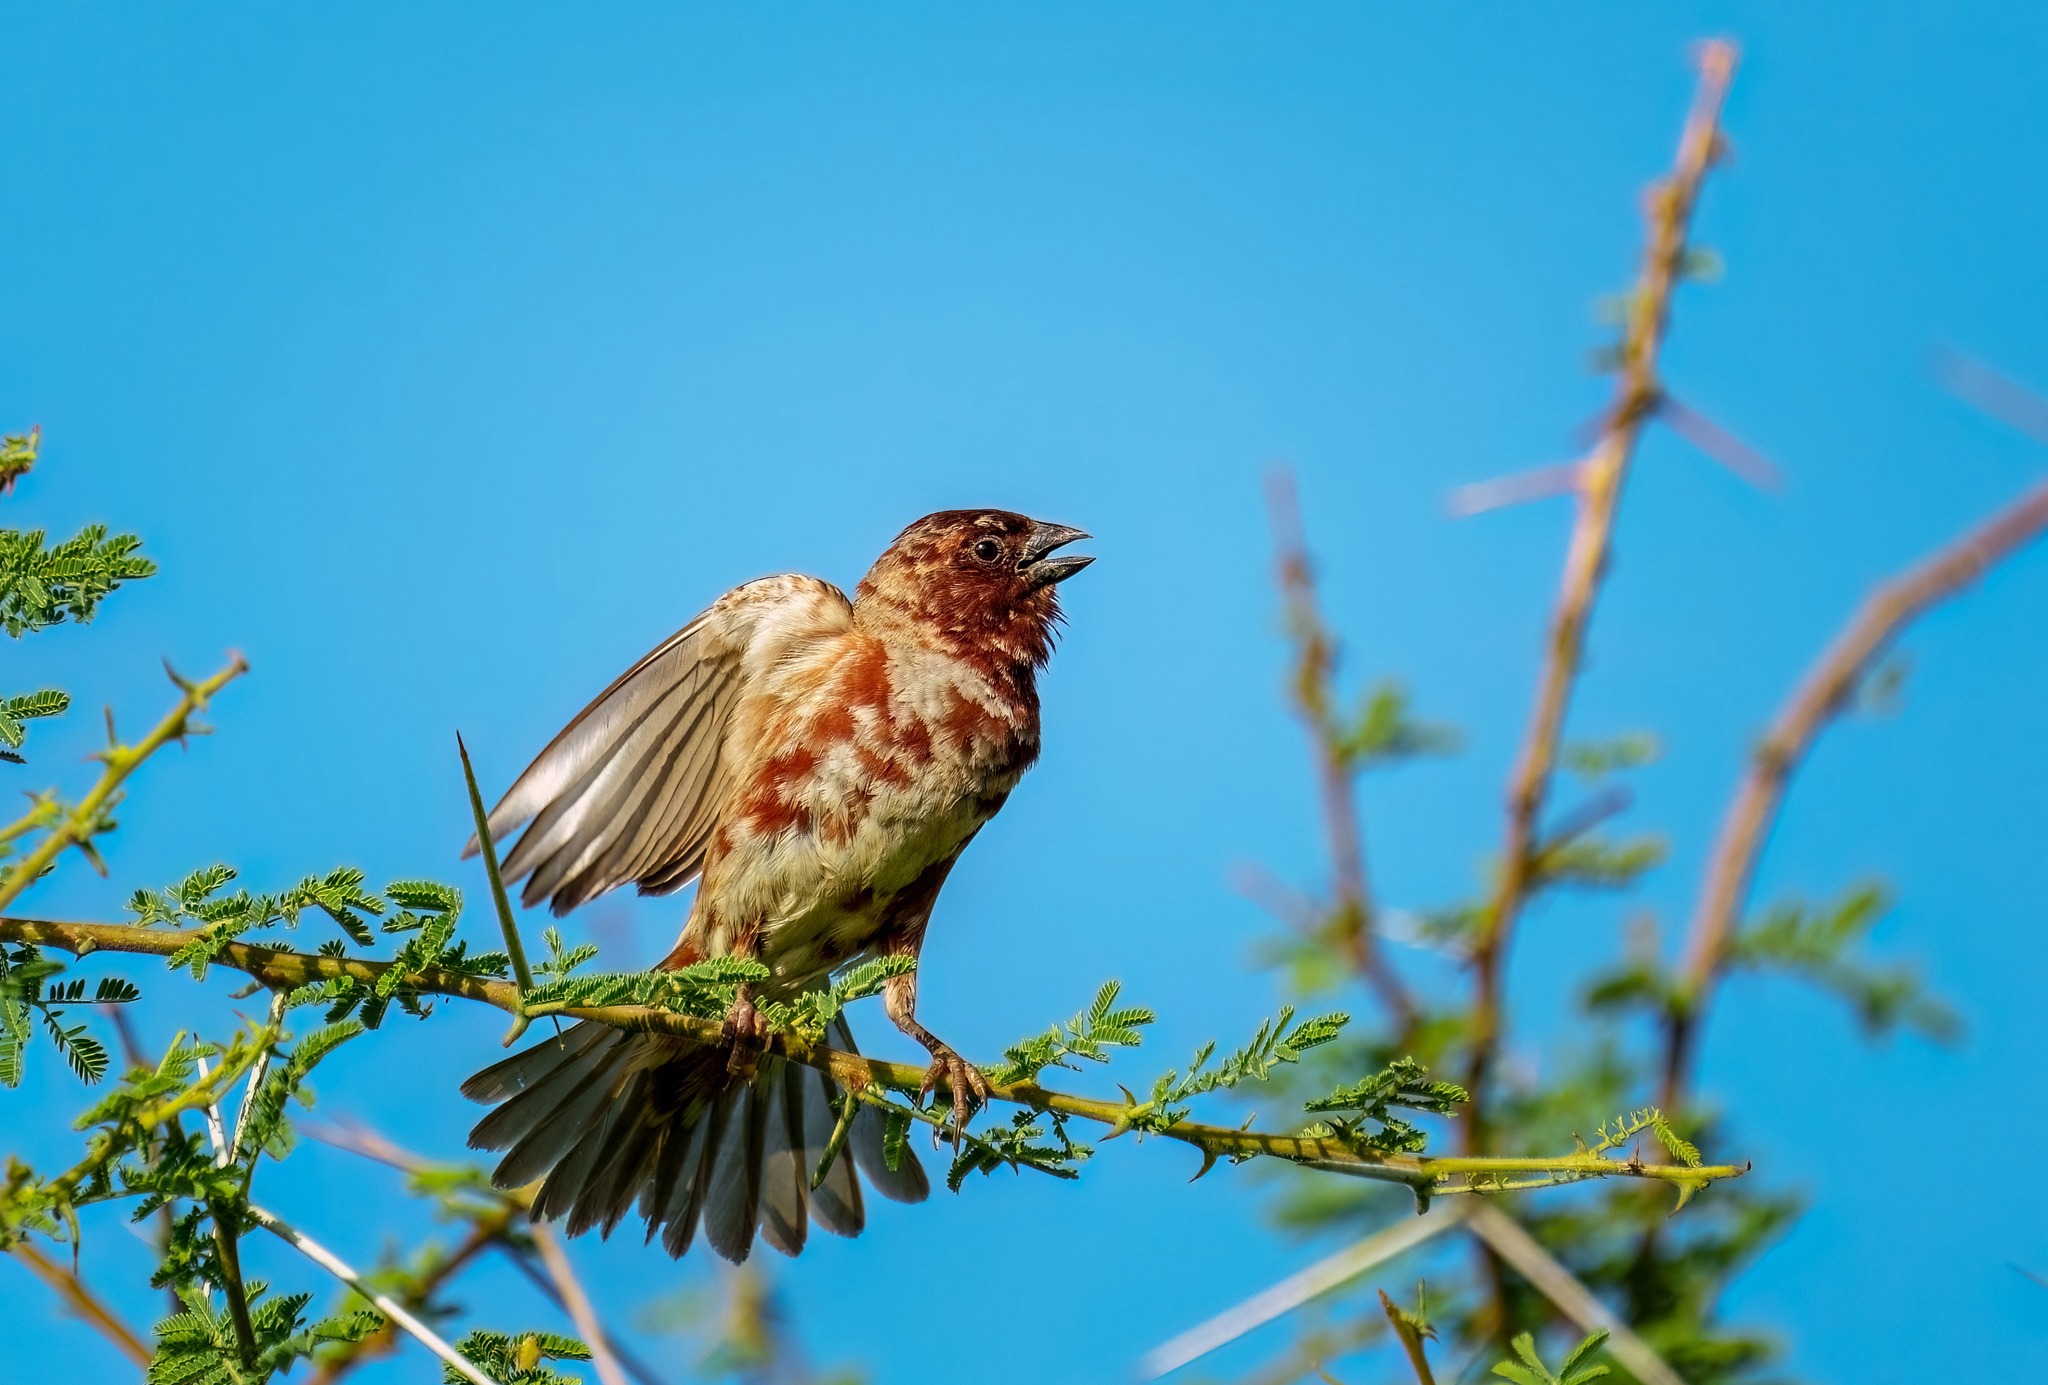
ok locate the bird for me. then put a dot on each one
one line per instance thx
(816, 765)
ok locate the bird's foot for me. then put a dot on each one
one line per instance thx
(965, 1086)
(746, 1030)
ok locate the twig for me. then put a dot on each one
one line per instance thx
(224, 1232)
(1817, 701)
(1509, 1240)
(487, 1229)
(371, 1145)
(1314, 696)
(216, 1127)
(257, 1070)
(2005, 400)
(82, 1301)
(1411, 1340)
(81, 824)
(1297, 1289)
(577, 1302)
(336, 1266)
(1425, 1176)
(1671, 207)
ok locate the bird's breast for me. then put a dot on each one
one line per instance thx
(856, 770)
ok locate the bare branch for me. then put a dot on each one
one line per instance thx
(556, 1258)
(82, 1301)
(339, 1268)
(1508, 1239)
(1315, 698)
(1671, 207)
(1410, 1338)
(1299, 1288)
(2004, 399)
(1817, 701)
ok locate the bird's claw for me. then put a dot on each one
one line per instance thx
(746, 1030)
(965, 1086)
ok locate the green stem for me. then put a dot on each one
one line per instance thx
(231, 1284)
(78, 827)
(513, 947)
(279, 967)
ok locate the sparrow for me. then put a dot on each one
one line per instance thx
(816, 765)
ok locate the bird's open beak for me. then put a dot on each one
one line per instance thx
(1043, 569)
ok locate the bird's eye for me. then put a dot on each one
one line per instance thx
(988, 550)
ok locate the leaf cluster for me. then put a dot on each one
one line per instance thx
(1279, 1041)
(28, 989)
(43, 584)
(1529, 1369)
(1089, 1034)
(198, 1346)
(1385, 732)
(1821, 944)
(1403, 1084)
(517, 1360)
(49, 702)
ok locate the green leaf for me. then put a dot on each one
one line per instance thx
(43, 585)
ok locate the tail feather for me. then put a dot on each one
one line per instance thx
(785, 1181)
(836, 1203)
(734, 1200)
(607, 1120)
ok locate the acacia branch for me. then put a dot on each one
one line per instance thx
(82, 1301)
(1819, 699)
(487, 1228)
(82, 823)
(392, 1310)
(1600, 479)
(1314, 692)
(278, 967)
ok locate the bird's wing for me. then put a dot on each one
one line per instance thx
(631, 789)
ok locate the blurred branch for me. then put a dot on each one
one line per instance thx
(486, 1230)
(1820, 697)
(392, 1310)
(1299, 1288)
(1314, 689)
(1720, 444)
(1508, 1239)
(556, 1258)
(1671, 206)
(2004, 399)
(491, 1229)
(82, 1301)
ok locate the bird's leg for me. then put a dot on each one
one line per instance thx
(744, 1027)
(965, 1085)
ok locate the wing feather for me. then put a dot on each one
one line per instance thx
(632, 789)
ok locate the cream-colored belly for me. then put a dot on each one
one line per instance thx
(823, 903)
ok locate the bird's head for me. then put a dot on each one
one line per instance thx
(983, 579)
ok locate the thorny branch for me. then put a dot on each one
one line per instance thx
(80, 825)
(1427, 1177)
(1820, 697)
(1600, 481)
(1314, 691)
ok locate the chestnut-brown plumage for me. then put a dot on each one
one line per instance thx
(817, 764)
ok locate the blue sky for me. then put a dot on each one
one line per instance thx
(448, 359)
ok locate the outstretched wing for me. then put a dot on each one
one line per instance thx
(631, 789)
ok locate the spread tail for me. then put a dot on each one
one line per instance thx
(608, 1118)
